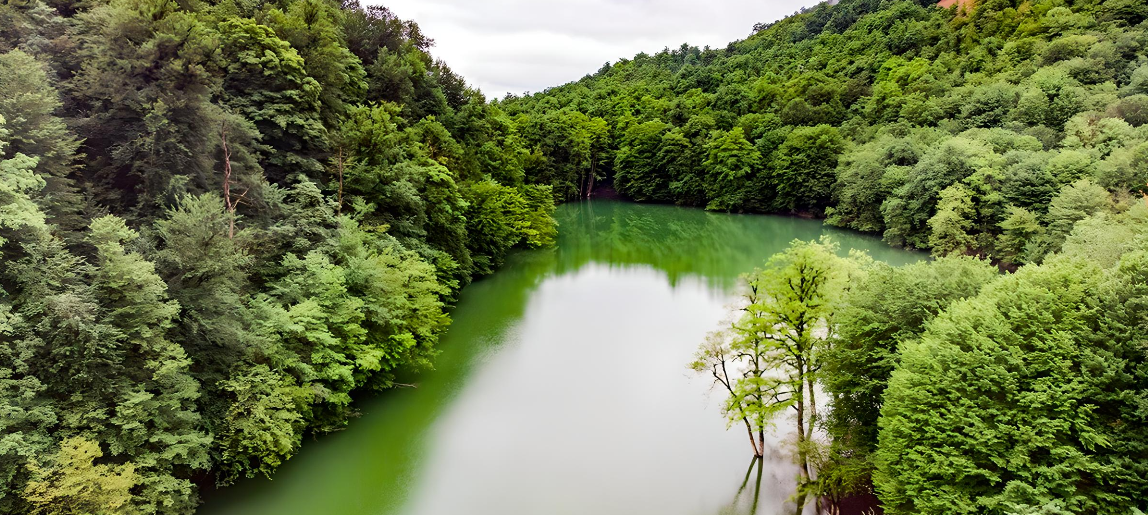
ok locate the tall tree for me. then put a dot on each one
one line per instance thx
(30, 104)
(153, 411)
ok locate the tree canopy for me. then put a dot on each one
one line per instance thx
(934, 127)
(218, 222)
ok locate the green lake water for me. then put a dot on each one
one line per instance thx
(562, 386)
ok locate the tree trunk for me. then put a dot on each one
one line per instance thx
(802, 457)
(757, 451)
(340, 162)
(231, 205)
(801, 454)
(593, 172)
(809, 431)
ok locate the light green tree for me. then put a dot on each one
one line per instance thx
(1074, 203)
(153, 409)
(881, 311)
(1021, 230)
(31, 104)
(18, 185)
(950, 226)
(264, 423)
(73, 483)
(769, 358)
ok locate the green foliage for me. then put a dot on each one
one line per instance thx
(143, 129)
(804, 167)
(865, 112)
(638, 168)
(1024, 398)
(950, 226)
(154, 418)
(348, 315)
(769, 358)
(210, 240)
(75, 484)
(1104, 238)
(266, 81)
(29, 104)
(500, 217)
(264, 425)
(886, 309)
(1020, 232)
(728, 166)
(18, 182)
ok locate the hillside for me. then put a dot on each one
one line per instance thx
(220, 221)
(986, 133)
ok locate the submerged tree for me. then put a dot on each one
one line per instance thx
(768, 359)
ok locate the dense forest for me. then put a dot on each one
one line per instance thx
(986, 130)
(218, 221)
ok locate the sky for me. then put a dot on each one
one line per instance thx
(515, 46)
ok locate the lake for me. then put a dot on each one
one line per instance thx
(562, 386)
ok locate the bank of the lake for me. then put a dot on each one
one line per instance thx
(562, 386)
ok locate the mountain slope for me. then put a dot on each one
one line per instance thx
(986, 131)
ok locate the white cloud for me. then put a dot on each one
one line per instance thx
(514, 46)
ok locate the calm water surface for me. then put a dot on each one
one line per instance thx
(562, 386)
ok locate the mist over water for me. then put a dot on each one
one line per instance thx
(562, 386)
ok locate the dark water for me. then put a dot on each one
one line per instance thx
(562, 386)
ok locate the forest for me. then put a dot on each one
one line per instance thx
(221, 220)
(988, 133)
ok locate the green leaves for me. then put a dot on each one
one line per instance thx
(804, 165)
(769, 358)
(265, 422)
(254, 243)
(74, 483)
(30, 104)
(500, 217)
(638, 171)
(883, 311)
(1017, 398)
(18, 184)
(729, 162)
(266, 81)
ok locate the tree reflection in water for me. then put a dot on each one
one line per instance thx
(745, 501)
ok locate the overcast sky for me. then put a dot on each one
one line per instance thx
(515, 46)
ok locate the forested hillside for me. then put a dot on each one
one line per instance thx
(218, 221)
(989, 130)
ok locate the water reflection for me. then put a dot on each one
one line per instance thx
(561, 387)
(736, 508)
(690, 242)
